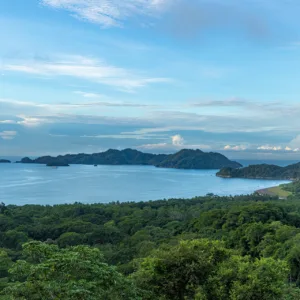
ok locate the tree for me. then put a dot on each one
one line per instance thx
(176, 272)
(205, 270)
(264, 279)
(238, 278)
(5, 264)
(70, 274)
(70, 239)
(14, 239)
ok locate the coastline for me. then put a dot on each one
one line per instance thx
(274, 191)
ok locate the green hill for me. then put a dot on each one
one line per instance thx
(197, 159)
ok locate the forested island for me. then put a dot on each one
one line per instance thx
(5, 161)
(214, 248)
(184, 159)
(263, 171)
(57, 164)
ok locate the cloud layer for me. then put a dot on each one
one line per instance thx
(108, 13)
(8, 135)
(85, 68)
(251, 130)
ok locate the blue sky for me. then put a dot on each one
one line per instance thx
(155, 75)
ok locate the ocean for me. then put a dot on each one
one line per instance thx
(37, 184)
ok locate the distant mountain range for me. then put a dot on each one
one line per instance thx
(184, 159)
(263, 171)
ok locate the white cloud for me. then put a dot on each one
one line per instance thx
(8, 135)
(177, 140)
(272, 148)
(31, 121)
(278, 148)
(108, 13)
(123, 135)
(171, 148)
(235, 148)
(86, 68)
(88, 95)
(261, 148)
(158, 146)
(66, 107)
(7, 122)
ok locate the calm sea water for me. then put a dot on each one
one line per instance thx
(37, 184)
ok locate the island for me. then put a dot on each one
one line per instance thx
(57, 164)
(197, 159)
(184, 159)
(263, 171)
(5, 161)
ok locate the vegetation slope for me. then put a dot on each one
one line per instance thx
(243, 247)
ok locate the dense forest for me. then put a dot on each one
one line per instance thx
(184, 159)
(294, 187)
(242, 247)
(263, 171)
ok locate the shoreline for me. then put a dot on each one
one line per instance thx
(274, 191)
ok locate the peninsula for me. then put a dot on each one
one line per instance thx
(184, 159)
(263, 171)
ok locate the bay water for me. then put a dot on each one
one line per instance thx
(37, 184)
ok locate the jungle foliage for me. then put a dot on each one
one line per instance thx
(242, 247)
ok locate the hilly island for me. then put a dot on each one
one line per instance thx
(184, 159)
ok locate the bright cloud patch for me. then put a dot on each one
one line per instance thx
(88, 95)
(235, 148)
(88, 69)
(177, 140)
(278, 148)
(108, 13)
(7, 121)
(267, 147)
(8, 135)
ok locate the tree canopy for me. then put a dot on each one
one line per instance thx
(242, 247)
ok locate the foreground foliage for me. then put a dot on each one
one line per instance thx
(245, 247)
(48, 272)
(201, 269)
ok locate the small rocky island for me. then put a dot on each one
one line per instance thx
(184, 159)
(263, 171)
(5, 161)
(57, 164)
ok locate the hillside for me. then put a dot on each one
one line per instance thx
(184, 159)
(197, 159)
(263, 171)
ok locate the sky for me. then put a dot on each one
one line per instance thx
(155, 75)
